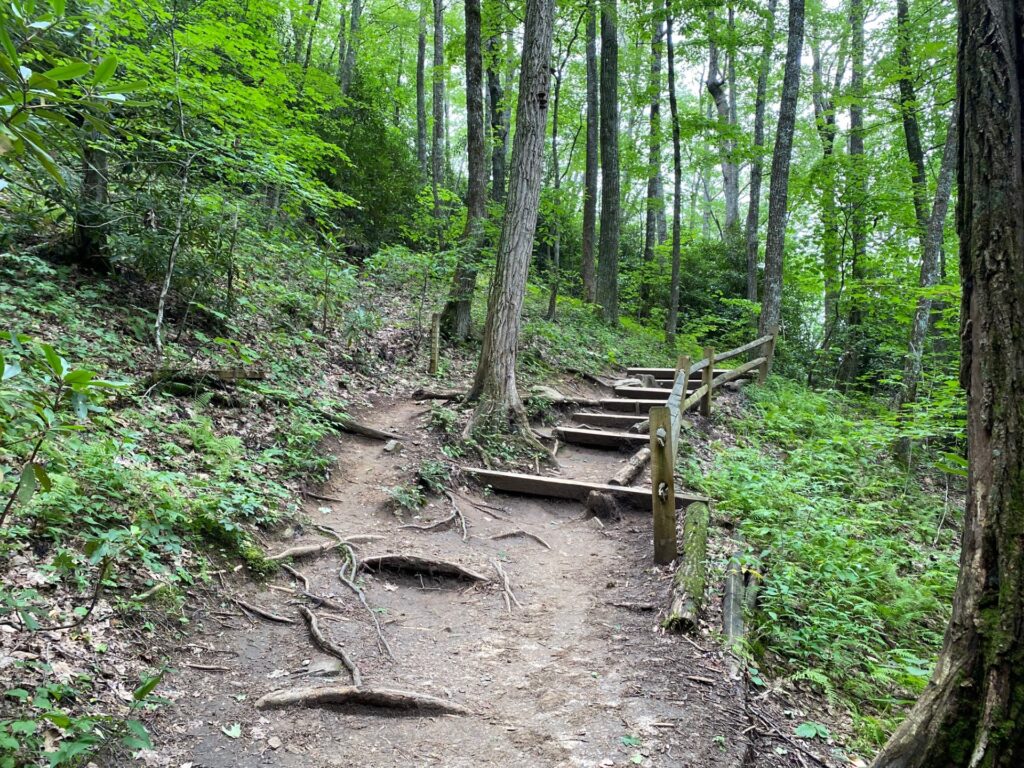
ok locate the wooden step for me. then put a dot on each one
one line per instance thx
(648, 393)
(560, 488)
(617, 420)
(601, 438)
(631, 405)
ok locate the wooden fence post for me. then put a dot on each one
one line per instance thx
(683, 365)
(707, 378)
(768, 353)
(663, 493)
(435, 342)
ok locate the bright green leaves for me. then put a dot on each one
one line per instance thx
(69, 71)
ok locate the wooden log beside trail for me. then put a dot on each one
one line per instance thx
(691, 575)
(632, 468)
(733, 602)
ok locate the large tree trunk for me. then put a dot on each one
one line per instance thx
(421, 91)
(495, 381)
(775, 241)
(590, 172)
(851, 363)
(608, 243)
(342, 22)
(757, 163)
(353, 43)
(437, 107)
(655, 200)
(930, 252)
(972, 712)
(716, 85)
(499, 129)
(677, 182)
(456, 318)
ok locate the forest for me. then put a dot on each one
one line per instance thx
(290, 285)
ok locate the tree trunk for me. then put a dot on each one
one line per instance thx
(655, 200)
(495, 381)
(499, 128)
(726, 148)
(608, 243)
(851, 363)
(590, 172)
(456, 319)
(90, 235)
(972, 712)
(353, 42)
(908, 111)
(342, 39)
(437, 107)
(421, 89)
(771, 303)
(677, 182)
(757, 163)
(930, 251)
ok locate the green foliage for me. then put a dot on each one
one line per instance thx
(433, 475)
(859, 567)
(407, 497)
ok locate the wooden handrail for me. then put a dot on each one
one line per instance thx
(666, 421)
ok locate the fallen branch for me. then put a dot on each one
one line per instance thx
(632, 468)
(520, 532)
(688, 583)
(509, 595)
(321, 497)
(417, 564)
(328, 646)
(343, 423)
(341, 696)
(262, 612)
(430, 394)
(304, 550)
(458, 514)
(298, 575)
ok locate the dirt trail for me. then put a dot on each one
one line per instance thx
(577, 676)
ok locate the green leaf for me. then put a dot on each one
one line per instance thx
(26, 486)
(139, 736)
(9, 369)
(58, 7)
(79, 376)
(104, 70)
(23, 726)
(147, 687)
(56, 362)
(8, 46)
(811, 730)
(68, 71)
(232, 731)
(630, 741)
(41, 476)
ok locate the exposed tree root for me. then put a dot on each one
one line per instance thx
(297, 575)
(328, 646)
(262, 612)
(343, 423)
(509, 595)
(304, 550)
(417, 564)
(510, 420)
(429, 394)
(455, 516)
(382, 642)
(521, 532)
(341, 696)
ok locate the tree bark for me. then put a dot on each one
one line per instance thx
(608, 243)
(499, 128)
(495, 381)
(775, 241)
(930, 253)
(342, 39)
(655, 195)
(421, 88)
(590, 172)
(90, 234)
(437, 107)
(972, 712)
(672, 320)
(757, 163)
(908, 111)
(851, 363)
(716, 86)
(353, 42)
(456, 318)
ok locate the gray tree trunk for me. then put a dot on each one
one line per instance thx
(90, 234)
(590, 173)
(421, 91)
(757, 163)
(499, 127)
(608, 243)
(495, 381)
(353, 43)
(716, 86)
(655, 195)
(437, 107)
(672, 320)
(775, 241)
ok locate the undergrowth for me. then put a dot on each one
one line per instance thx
(859, 562)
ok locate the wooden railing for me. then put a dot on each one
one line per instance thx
(666, 422)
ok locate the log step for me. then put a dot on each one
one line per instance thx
(560, 488)
(665, 373)
(617, 420)
(601, 438)
(631, 405)
(649, 393)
